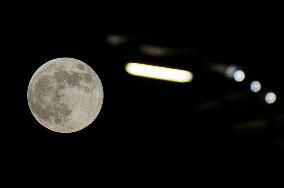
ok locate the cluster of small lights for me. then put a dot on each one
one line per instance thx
(255, 86)
(169, 74)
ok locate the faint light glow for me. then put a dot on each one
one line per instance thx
(255, 86)
(270, 98)
(156, 72)
(164, 51)
(230, 70)
(239, 75)
(116, 40)
(153, 50)
(233, 72)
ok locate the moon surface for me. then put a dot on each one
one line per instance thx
(65, 95)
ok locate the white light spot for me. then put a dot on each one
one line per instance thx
(255, 86)
(239, 76)
(157, 72)
(270, 97)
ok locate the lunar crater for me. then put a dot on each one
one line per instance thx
(80, 66)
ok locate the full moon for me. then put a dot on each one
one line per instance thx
(65, 95)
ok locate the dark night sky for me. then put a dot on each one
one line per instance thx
(145, 123)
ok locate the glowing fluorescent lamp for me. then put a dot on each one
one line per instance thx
(156, 72)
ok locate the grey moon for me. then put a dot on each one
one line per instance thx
(65, 95)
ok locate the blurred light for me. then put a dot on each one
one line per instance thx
(270, 98)
(164, 51)
(116, 40)
(239, 76)
(230, 70)
(153, 50)
(157, 72)
(255, 86)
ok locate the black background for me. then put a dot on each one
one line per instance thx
(146, 124)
